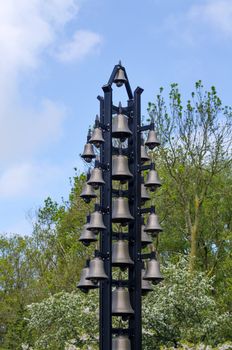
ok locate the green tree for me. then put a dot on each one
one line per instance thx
(49, 261)
(195, 162)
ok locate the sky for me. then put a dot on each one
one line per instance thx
(55, 56)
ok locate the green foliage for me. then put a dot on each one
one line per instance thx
(193, 305)
(32, 268)
(195, 164)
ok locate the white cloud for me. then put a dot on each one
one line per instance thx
(215, 13)
(28, 179)
(205, 21)
(26, 131)
(29, 29)
(83, 43)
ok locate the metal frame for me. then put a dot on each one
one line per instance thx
(108, 234)
(133, 111)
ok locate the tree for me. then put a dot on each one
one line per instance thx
(47, 262)
(196, 153)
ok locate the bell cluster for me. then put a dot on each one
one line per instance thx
(94, 272)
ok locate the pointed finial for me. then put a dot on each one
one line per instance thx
(120, 63)
(89, 134)
(97, 118)
(120, 107)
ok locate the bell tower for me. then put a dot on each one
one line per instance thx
(121, 181)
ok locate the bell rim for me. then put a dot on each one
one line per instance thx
(87, 287)
(147, 288)
(123, 220)
(97, 278)
(94, 183)
(121, 313)
(153, 230)
(121, 134)
(97, 228)
(87, 240)
(149, 184)
(153, 279)
(88, 156)
(88, 195)
(123, 263)
(101, 141)
(149, 143)
(120, 177)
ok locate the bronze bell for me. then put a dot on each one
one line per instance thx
(144, 194)
(87, 236)
(120, 129)
(145, 238)
(146, 285)
(120, 212)
(120, 78)
(120, 254)
(96, 178)
(85, 285)
(121, 342)
(153, 271)
(121, 305)
(120, 169)
(144, 156)
(153, 225)
(97, 270)
(97, 137)
(96, 220)
(153, 180)
(152, 140)
(88, 193)
(88, 154)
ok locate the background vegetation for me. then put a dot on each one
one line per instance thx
(40, 307)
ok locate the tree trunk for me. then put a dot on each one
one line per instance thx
(194, 235)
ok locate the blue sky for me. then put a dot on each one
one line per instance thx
(54, 57)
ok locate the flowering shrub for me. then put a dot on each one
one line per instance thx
(65, 316)
(182, 308)
(179, 310)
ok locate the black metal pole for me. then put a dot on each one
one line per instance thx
(106, 236)
(135, 227)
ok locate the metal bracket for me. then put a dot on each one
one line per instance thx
(103, 166)
(145, 167)
(147, 127)
(119, 331)
(145, 210)
(151, 255)
(104, 127)
(97, 253)
(120, 193)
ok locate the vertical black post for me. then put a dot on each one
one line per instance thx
(135, 322)
(106, 235)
